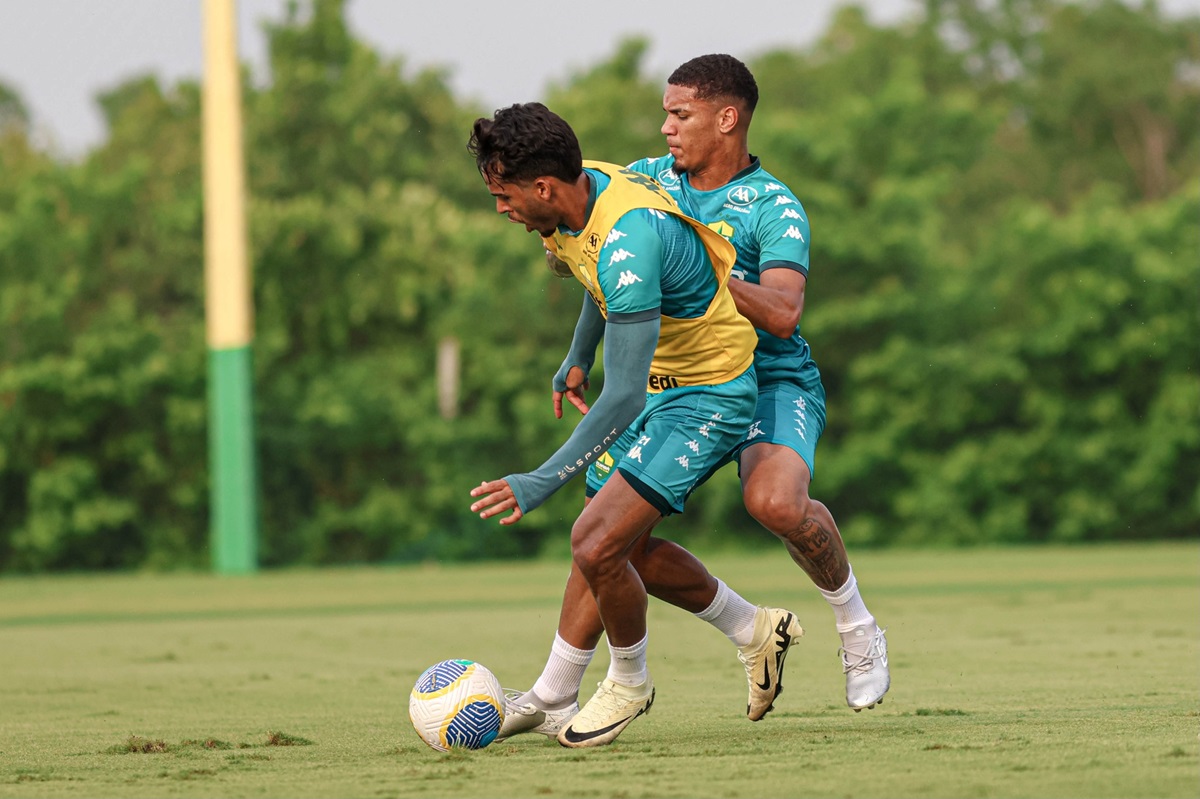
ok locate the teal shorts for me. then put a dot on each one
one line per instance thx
(677, 439)
(785, 415)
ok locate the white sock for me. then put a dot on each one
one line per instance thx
(849, 610)
(730, 613)
(559, 682)
(628, 664)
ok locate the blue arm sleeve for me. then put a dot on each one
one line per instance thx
(588, 332)
(628, 350)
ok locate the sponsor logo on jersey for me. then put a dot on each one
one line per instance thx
(661, 382)
(790, 213)
(773, 186)
(781, 200)
(793, 232)
(591, 246)
(683, 461)
(668, 179)
(742, 195)
(620, 255)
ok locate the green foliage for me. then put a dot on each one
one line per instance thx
(1002, 299)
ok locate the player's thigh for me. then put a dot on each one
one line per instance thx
(611, 524)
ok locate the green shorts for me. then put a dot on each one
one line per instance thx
(785, 415)
(677, 439)
(788, 416)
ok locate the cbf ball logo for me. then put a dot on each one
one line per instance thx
(742, 195)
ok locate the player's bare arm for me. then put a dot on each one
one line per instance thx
(775, 304)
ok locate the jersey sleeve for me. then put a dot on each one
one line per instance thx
(630, 268)
(783, 233)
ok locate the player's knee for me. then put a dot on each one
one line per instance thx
(592, 552)
(780, 512)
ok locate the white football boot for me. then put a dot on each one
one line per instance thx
(865, 664)
(527, 717)
(607, 713)
(775, 630)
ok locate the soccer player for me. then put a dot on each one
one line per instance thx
(680, 388)
(710, 172)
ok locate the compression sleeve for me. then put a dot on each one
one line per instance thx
(628, 350)
(582, 353)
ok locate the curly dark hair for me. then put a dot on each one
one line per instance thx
(524, 142)
(717, 76)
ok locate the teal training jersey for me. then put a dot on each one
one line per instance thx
(653, 261)
(769, 229)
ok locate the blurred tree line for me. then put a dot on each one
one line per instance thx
(1003, 298)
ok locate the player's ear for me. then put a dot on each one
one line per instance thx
(727, 119)
(543, 188)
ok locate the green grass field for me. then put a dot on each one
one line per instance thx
(1015, 673)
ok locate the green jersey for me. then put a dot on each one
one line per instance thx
(767, 226)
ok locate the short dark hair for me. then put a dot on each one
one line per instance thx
(717, 76)
(524, 142)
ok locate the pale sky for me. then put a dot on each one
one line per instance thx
(59, 54)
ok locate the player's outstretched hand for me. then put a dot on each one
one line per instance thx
(576, 385)
(496, 497)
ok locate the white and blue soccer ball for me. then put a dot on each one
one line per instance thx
(457, 704)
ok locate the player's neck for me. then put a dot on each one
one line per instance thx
(575, 207)
(720, 169)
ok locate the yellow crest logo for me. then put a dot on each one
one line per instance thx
(722, 227)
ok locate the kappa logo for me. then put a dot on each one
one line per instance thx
(754, 432)
(636, 450)
(613, 235)
(773, 187)
(620, 255)
(792, 232)
(694, 446)
(628, 278)
(781, 200)
(790, 213)
(703, 430)
(683, 461)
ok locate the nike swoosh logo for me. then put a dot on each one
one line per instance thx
(578, 737)
(766, 683)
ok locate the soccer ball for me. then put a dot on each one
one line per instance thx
(457, 703)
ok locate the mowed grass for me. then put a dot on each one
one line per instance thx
(1016, 673)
